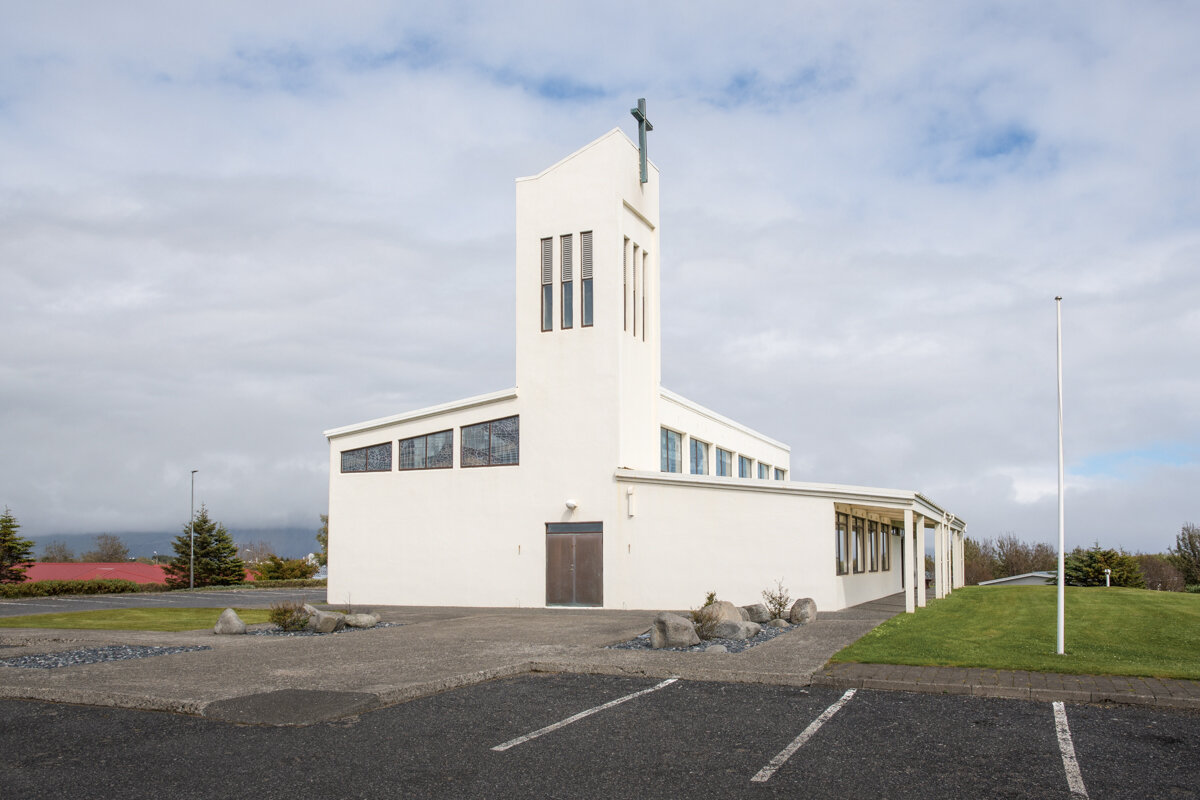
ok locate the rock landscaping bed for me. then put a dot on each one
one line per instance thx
(267, 629)
(642, 642)
(94, 655)
(720, 626)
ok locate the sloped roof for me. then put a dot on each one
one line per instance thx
(95, 571)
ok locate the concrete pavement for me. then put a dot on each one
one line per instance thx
(297, 680)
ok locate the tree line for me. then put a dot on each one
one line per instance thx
(204, 554)
(1176, 570)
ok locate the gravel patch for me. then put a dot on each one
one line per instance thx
(273, 631)
(642, 642)
(94, 655)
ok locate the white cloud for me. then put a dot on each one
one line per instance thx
(224, 230)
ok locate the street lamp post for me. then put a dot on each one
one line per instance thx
(192, 538)
(1062, 572)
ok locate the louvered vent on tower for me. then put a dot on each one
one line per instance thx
(585, 245)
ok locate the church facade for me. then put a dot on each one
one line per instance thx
(588, 484)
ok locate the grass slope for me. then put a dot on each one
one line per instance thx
(134, 619)
(1108, 632)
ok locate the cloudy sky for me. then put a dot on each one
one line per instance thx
(224, 230)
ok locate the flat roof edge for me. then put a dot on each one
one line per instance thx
(420, 413)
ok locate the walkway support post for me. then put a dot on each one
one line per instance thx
(939, 560)
(919, 560)
(907, 559)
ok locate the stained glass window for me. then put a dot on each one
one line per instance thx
(432, 451)
(492, 443)
(376, 458)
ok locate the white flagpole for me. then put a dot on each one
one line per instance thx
(1061, 527)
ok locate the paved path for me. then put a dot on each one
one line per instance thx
(306, 679)
(588, 736)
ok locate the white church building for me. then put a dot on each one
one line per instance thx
(588, 483)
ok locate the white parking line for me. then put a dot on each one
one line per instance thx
(778, 761)
(1070, 763)
(580, 715)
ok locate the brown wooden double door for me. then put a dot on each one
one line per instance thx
(574, 563)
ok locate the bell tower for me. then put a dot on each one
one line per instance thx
(587, 315)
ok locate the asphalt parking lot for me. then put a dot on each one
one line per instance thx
(240, 598)
(532, 736)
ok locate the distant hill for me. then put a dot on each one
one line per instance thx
(285, 542)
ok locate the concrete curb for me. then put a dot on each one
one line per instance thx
(1097, 689)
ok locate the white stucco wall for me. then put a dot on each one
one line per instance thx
(591, 407)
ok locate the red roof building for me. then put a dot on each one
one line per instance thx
(96, 571)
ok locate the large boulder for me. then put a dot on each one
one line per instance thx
(326, 622)
(362, 620)
(229, 622)
(803, 611)
(736, 630)
(757, 613)
(672, 630)
(725, 611)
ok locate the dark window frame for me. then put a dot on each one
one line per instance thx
(546, 277)
(873, 545)
(885, 548)
(664, 451)
(587, 299)
(748, 463)
(728, 471)
(462, 461)
(364, 450)
(399, 451)
(566, 273)
(841, 532)
(858, 541)
(697, 446)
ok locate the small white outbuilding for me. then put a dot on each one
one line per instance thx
(588, 484)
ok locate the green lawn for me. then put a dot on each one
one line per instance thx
(134, 619)
(1108, 632)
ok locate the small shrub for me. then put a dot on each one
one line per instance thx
(55, 588)
(274, 568)
(705, 618)
(778, 601)
(289, 616)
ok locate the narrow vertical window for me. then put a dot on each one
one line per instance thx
(625, 285)
(724, 463)
(699, 457)
(873, 546)
(885, 549)
(644, 263)
(568, 306)
(780, 474)
(860, 535)
(745, 467)
(671, 444)
(764, 470)
(842, 539)
(547, 284)
(585, 276)
(636, 253)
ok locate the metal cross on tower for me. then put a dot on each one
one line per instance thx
(644, 125)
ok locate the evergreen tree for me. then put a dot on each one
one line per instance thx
(16, 554)
(323, 540)
(1185, 555)
(1086, 568)
(216, 559)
